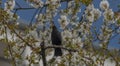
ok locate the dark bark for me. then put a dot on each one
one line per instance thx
(43, 54)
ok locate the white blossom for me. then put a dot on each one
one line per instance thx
(36, 3)
(40, 17)
(9, 5)
(108, 15)
(89, 15)
(52, 2)
(101, 45)
(17, 23)
(63, 21)
(104, 5)
(90, 7)
(77, 41)
(97, 13)
(70, 4)
(67, 34)
(92, 13)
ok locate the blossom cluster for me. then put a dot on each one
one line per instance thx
(108, 13)
(9, 5)
(36, 3)
(104, 5)
(63, 21)
(92, 13)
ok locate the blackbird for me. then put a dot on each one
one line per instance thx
(56, 40)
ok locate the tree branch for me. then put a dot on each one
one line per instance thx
(54, 46)
(18, 35)
(30, 24)
(43, 53)
(18, 4)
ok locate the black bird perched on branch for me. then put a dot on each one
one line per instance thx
(56, 40)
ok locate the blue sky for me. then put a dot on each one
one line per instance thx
(26, 15)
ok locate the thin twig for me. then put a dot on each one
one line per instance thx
(13, 30)
(18, 4)
(30, 24)
(24, 8)
(97, 35)
(23, 50)
(37, 11)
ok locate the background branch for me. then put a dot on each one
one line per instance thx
(13, 30)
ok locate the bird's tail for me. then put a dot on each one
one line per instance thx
(58, 52)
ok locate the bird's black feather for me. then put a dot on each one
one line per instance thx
(56, 40)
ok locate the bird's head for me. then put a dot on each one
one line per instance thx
(54, 27)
